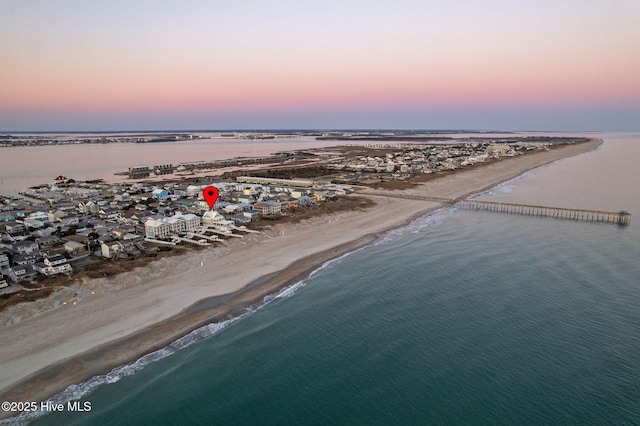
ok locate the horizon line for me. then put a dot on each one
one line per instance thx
(294, 130)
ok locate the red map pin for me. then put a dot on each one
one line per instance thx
(211, 195)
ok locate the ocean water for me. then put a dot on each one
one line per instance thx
(462, 317)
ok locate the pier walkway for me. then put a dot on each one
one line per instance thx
(411, 197)
(619, 218)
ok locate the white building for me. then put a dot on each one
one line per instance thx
(73, 247)
(172, 225)
(112, 249)
(26, 247)
(194, 190)
(154, 228)
(88, 208)
(52, 268)
(217, 221)
(183, 223)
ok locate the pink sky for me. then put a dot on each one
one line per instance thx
(114, 65)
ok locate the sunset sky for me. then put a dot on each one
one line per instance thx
(249, 64)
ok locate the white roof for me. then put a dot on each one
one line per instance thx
(211, 214)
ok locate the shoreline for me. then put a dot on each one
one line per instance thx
(159, 327)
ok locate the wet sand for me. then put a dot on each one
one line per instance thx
(47, 348)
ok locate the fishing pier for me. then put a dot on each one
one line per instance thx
(622, 218)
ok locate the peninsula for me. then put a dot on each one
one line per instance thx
(112, 320)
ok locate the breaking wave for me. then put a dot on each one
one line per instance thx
(78, 391)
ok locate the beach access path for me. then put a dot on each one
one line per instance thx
(44, 348)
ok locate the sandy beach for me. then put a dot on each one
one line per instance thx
(46, 346)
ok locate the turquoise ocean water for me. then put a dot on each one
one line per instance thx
(462, 317)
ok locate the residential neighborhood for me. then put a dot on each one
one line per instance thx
(402, 161)
(58, 228)
(61, 227)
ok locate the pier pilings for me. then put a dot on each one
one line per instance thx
(622, 217)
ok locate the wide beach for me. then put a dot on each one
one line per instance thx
(45, 353)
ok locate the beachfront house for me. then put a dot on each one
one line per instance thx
(183, 222)
(54, 260)
(178, 223)
(320, 196)
(54, 265)
(268, 208)
(21, 273)
(216, 221)
(156, 228)
(305, 200)
(252, 214)
(240, 219)
(114, 249)
(292, 203)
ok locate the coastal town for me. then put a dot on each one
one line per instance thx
(140, 295)
(67, 226)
